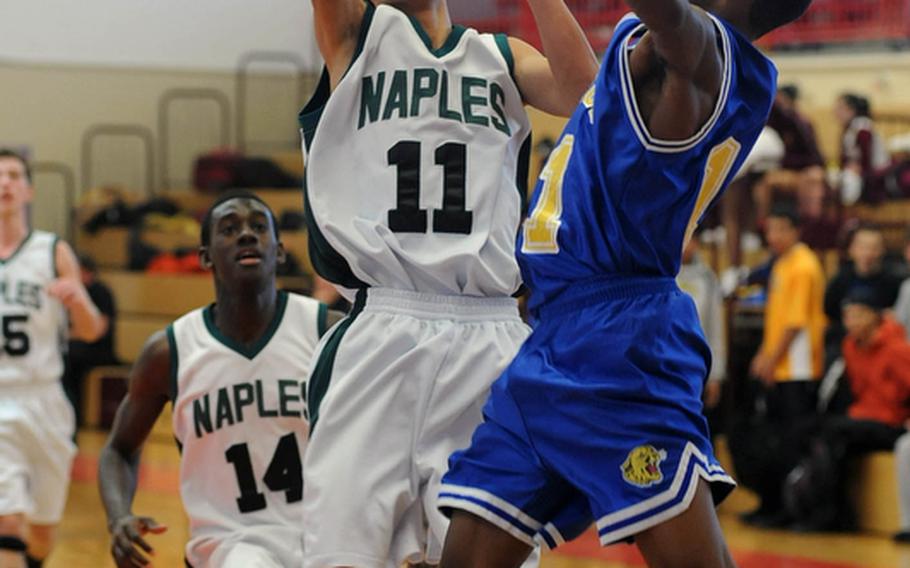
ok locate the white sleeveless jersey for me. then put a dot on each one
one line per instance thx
(416, 164)
(239, 418)
(32, 323)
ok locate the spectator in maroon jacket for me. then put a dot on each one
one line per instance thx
(801, 176)
(863, 151)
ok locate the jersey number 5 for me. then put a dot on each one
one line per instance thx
(15, 341)
(408, 217)
(285, 473)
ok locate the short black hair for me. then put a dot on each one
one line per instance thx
(205, 229)
(785, 211)
(857, 103)
(9, 153)
(768, 15)
(790, 90)
(865, 295)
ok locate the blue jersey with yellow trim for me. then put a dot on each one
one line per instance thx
(615, 201)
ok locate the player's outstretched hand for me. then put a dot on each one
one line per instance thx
(126, 537)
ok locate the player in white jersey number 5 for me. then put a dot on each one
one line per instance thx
(235, 373)
(416, 144)
(39, 287)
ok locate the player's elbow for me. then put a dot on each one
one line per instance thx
(92, 330)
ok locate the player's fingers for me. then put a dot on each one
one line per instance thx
(137, 539)
(126, 554)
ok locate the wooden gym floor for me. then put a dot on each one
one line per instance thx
(83, 541)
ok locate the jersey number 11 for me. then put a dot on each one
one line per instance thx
(408, 217)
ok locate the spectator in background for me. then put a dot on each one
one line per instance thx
(863, 151)
(801, 175)
(699, 281)
(789, 361)
(878, 369)
(83, 356)
(902, 461)
(866, 268)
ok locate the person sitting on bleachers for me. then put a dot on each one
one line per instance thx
(877, 356)
(863, 151)
(902, 305)
(866, 267)
(801, 176)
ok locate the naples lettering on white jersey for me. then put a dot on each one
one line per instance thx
(416, 163)
(239, 417)
(32, 323)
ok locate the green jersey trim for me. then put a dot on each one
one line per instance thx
(450, 43)
(248, 351)
(19, 248)
(502, 42)
(322, 320)
(321, 377)
(174, 363)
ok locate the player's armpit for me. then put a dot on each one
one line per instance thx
(337, 26)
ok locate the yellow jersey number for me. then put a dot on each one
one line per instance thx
(541, 227)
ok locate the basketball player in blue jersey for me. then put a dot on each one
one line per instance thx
(600, 413)
(235, 375)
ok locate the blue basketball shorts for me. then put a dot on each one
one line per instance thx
(598, 419)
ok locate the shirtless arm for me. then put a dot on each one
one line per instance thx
(337, 25)
(555, 82)
(118, 467)
(86, 322)
(681, 40)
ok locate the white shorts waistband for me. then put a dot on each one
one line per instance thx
(440, 306)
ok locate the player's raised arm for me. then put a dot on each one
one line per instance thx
(681, 33)
(337, 24)
(556, 81)
(118, 467)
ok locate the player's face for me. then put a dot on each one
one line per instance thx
(780, 234)
(866, 251)
(15, 189)
(842, 112)
(860, 321)
(242, 244)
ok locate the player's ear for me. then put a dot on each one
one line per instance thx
(205, 259)
(281, 255)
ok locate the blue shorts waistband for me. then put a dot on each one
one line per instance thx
(583, 294)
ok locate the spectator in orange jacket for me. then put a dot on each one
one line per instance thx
(877, 355)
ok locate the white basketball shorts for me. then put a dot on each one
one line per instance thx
(396, 388)
(36, 451)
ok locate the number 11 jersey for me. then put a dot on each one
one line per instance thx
(239, 420)
(416, 164)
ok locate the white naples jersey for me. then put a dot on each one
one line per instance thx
(416, 164)
(32, 323)
(239, 418)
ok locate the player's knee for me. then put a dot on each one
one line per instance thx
(40, 541)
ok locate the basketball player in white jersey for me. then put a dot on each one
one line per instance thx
(235, 373)
(39, 290)
(416, 152)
